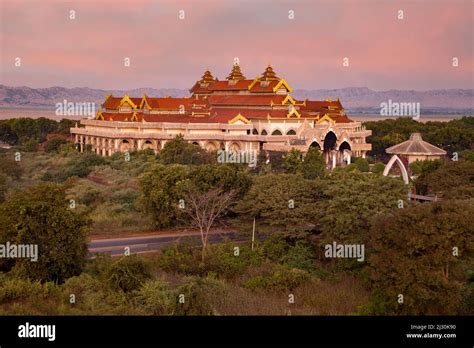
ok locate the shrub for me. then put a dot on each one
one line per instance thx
(155, 298)
(82, 285)
(182, 258)
(125, 196)
(274, 248)
(280, 278)
(362, 164)
(223, 261)
(3, 187)
(192, 298)
(30, 145)
(10, 167)
(15, 288)
(301, 256)
(54, 144)
(90, 196)
(378, 168)
(128, 273)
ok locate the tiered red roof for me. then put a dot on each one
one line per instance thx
(221, 101)
(246, 100)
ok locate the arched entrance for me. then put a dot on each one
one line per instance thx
(235, 147)
(125, 145)
(329, 149)
(330, 141)
(315, 145)
(390, 163)
(345, 153)
(210, 146)
(148, 144)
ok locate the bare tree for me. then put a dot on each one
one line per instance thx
(204, 208)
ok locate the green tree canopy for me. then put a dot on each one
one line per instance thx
(354, 199)
(313, 165)
(41, 216)
(284, 203)
(179, 151)
(452, 180)
(293, 161)
(411, 254)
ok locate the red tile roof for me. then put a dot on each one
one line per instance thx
(111, 102)
(266, 86)
(169, 103)
(253, 100)
(320, 104)
(227, 86)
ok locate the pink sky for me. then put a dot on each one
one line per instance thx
(167, 52)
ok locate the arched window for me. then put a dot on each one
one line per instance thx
(276, 132)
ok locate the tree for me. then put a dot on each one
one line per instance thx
(225, 176)
(423, 168)
(452, 180)
(283, 203)
(7, 135)
(421, 253)
(362, 164)
(40, 215)
(161, 186)
(293, 162)
(159, 193)
(313, 165)
(203, 208)
(179, 151)
(354, 199)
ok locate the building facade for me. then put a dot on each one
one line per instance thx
(235, 114)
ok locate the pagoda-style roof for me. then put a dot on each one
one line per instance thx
(269, 74)
(207, 77)
(236, 74)
(415, 146)
(265, 97)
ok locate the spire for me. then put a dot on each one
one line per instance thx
(207, 77)
(236, 74)
(269, 74)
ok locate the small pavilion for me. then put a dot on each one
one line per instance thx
(416, 149)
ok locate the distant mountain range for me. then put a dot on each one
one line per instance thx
(354, 99)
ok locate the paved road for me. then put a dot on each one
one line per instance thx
(150, 243)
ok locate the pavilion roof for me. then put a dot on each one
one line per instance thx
(415, 146)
